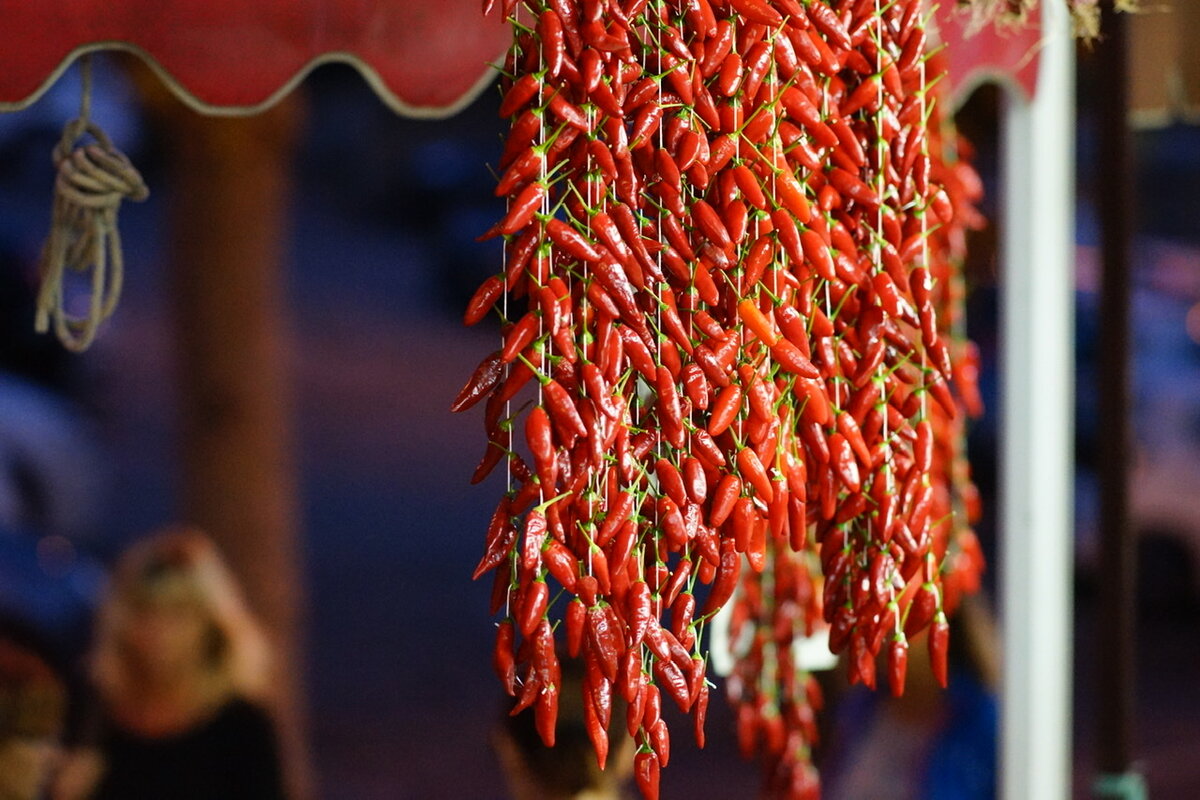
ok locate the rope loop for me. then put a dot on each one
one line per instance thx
(93, 177)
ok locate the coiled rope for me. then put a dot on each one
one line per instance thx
(93, 178)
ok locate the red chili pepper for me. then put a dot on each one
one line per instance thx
(923, 448)
(482, 301)
(753, 472)
(725, 409)
(571, 241)
(641, 613)
(562, 408)
(534, 538)
(726, 579)
(605, 640)
(574, 620)
(502, 656)
(729, 488)
(939, 646)
(844, 463)
(754, 319)
(682, 611)
(519, 94)
(539, 436)
(670, 413)
(897, 663)
(646, 772)
(597, 733)
(500, 537)
(672, 679)
(792, 358)
(757, 11)
(660, 741)
(921, 609)
(533, 606)
(706, 448)
(850, 186)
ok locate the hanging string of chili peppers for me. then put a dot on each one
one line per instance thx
(730, 231)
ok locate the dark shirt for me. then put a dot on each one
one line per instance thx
(231, 756)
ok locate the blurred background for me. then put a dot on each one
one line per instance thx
(378, 529)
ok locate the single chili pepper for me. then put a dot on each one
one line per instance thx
(923, 449)
(561, 564)
(682, 611)
(534, 538)
(897, 663)
(660, 741)
(695, 387)
(528, 695)
(533, 606)
(545, 713)
(758, 62)
(604, 638)
(754, 319)
(522, 91)
(670, 413)
(539, 436)
(757, 11)
(939, 646)
(791, 194)
(672, 523)
(500, 537)
(672, 679)
(670, 481)
(753, 472)
(572, 241)
(921, 609)
(726, 579)
(618, 514)
(729, 488)
(730, 76)
(646, 773)
(725, 409)
(640, 613)
(597, 733)
(844, 463)
(707, 449)
(792, 358)
(502, 656)
(482, 301)
(574, 620)
(562, 408)
(482, 382)
(599, 568)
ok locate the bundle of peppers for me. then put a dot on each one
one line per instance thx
(724, 359)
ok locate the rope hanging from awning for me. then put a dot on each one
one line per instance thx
(93, 178)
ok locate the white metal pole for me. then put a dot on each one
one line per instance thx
(1037, 395)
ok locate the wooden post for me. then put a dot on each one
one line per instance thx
(229, 187)
(1116, 628)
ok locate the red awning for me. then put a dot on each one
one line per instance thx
(424, 58)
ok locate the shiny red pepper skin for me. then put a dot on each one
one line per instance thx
(502, 656)
(646, 773)
(605, 640)
(897, 664)
(939, 647)
(726, 580)
(574, 621)
(533, 606)
(921, 609)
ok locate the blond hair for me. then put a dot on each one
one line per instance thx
(180, 565)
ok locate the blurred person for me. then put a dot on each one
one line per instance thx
(33, 703)
(930, 743)
(180, 668)
(567, 771)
